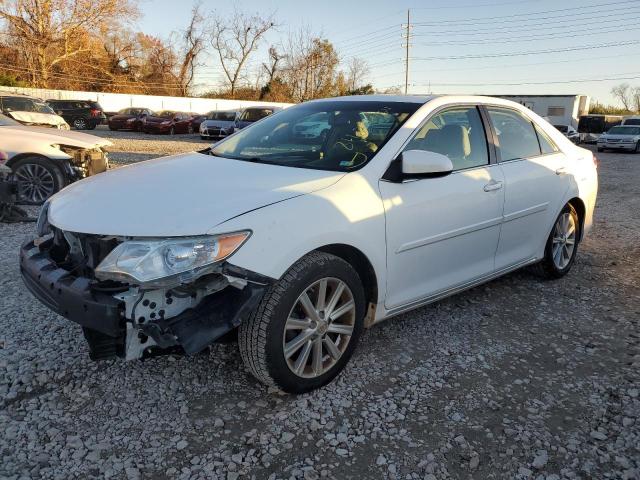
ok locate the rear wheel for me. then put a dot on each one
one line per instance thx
(172, 131)
(80, 123)
(38, 178)
(562, 245)
(637, 150)
(306, 326)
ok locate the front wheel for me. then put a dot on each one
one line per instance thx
(38, 178)
(637, 150)
(307, 325)
(562, 245)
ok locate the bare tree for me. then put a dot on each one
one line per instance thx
(235, 39)
(193, 38)
(636, 99)
(53, 30)
(357, 72)
(622, 92)
(271, 68)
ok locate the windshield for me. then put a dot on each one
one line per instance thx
(166, 114)
(223, 116)
(624, 131)
(19, 104)
(255, 114)
(7, 122)
(632, 121)
(328, 135)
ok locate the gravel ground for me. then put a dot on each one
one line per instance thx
(518, 379)
(130, 147)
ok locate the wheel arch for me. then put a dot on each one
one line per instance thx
(581, 210)
(362, 265)
(58, 162)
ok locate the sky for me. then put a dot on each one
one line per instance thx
(457, 46)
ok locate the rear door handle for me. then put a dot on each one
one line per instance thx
(490, 187)
(561, 171)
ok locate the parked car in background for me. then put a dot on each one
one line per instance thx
(31, 111)
(569, 132)
(196, 120)
(590, 127)
(253, 114)
(621, 137)
(44, 160)
(129, 119)
(168, 121)
(80, 114)
(301, 243)
(632, 120)
(218, 124)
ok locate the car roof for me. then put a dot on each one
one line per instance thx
(423, 99)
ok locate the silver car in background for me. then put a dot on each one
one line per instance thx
(218, 125)
(621, 137)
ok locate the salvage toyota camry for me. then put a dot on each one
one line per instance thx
(298, 241)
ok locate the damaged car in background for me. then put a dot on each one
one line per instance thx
(31, 111)
(299, 242)
(45, 160)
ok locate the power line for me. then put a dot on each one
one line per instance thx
(628, 76)
(529, 52)
(544, 12)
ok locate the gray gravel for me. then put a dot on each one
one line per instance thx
(518, 378)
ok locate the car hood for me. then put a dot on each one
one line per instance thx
(218, 123)
(121, 117)
(181, 195)
(53, 136)
(618, 137)
(38, 118)
(152, 119)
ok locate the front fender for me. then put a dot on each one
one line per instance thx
(349, 212)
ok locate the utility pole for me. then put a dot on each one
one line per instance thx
(406, 59)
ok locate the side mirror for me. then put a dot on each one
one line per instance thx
(424, 164)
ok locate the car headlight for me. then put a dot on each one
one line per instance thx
(166, 122)
(166, 263)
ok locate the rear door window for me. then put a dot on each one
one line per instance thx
(517, 137)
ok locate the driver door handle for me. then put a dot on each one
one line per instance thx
(490, 187)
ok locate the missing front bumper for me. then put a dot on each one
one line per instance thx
(110, 334)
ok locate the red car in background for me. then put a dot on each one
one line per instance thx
(198, 118)
(129, 119)
(168, 121)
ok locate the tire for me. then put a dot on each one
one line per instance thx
(80, 124)
(172, 131)
(549, 267)
(38, 178)
(112, 128)
(637, 150)
(190, 129)
(202, 137)
(262, 337)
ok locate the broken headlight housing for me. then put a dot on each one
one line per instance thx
(168, 263)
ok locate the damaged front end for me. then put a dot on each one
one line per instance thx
(112, 288)
(85, 162)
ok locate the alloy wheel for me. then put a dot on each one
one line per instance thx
(319, 327)
(36, 183)
(564, 240)
(79, 124)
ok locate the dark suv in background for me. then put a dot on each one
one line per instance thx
(80, 114)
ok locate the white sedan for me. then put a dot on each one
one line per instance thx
(299, 243)
(44, 160)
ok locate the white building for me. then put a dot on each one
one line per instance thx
(557, 109)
